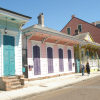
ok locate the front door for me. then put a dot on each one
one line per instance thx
(69, 60)
(61, 67)
(36, 60)
(50, 59)
(9, 55)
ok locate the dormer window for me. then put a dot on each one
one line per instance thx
(80, 28)
(68, 31)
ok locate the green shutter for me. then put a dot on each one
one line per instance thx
(79, 28)
(68, 30)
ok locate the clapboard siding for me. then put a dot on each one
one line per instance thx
(18, 62)
(10, 25)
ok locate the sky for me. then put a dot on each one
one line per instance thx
(57, 13)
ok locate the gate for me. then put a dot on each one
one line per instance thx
(24, 62)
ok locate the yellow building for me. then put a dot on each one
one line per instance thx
(86, 52)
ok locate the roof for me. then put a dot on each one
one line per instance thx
(14, 13)
(81, 36)
(81, 20)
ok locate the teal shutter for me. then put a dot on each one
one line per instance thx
(88, 53)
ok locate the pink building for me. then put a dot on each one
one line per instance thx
(49, 52)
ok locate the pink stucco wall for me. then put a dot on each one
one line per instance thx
(55, 59)
(65, 52)
(43, 50)
(65, 59)
(44, 60)
(55, 51)
(29, 58)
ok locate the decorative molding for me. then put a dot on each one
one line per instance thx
(30, 35)
(45, 38)
(67, 42)
(56, 41)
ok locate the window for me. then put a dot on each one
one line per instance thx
(80, 28)
(92, 55)
(87, 53)
(82, 55)
(68, 31)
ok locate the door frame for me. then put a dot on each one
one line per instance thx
(3, 52)
(38, 44)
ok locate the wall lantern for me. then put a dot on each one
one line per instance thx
(5, 30)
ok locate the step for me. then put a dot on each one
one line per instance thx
(17, 87)
(15, 83)
(12, 80)
(12, 77)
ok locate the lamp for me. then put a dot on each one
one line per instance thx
(5, 30)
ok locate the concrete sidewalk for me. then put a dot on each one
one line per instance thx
(40, 86)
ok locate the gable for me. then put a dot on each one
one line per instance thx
(86, 27)
(89, 38)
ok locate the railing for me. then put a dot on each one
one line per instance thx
(93, 63)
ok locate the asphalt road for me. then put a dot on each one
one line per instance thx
(85, 90)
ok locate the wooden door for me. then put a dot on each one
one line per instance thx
(9, 55)
(61, 67)
(69, 60)
(50, 59)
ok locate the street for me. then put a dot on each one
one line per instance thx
(85, 90)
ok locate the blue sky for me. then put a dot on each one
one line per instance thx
(57, 13)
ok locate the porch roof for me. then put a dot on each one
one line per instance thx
(51, 32)
(83, 35)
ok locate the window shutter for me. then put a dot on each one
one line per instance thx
(79, 28)
(88, 53)
(68, 30)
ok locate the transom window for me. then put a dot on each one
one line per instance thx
(68, 31)
(80, 28)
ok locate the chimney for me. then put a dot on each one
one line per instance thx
(94, 23)
(73, 16)
(41, 19)
(76, 32)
